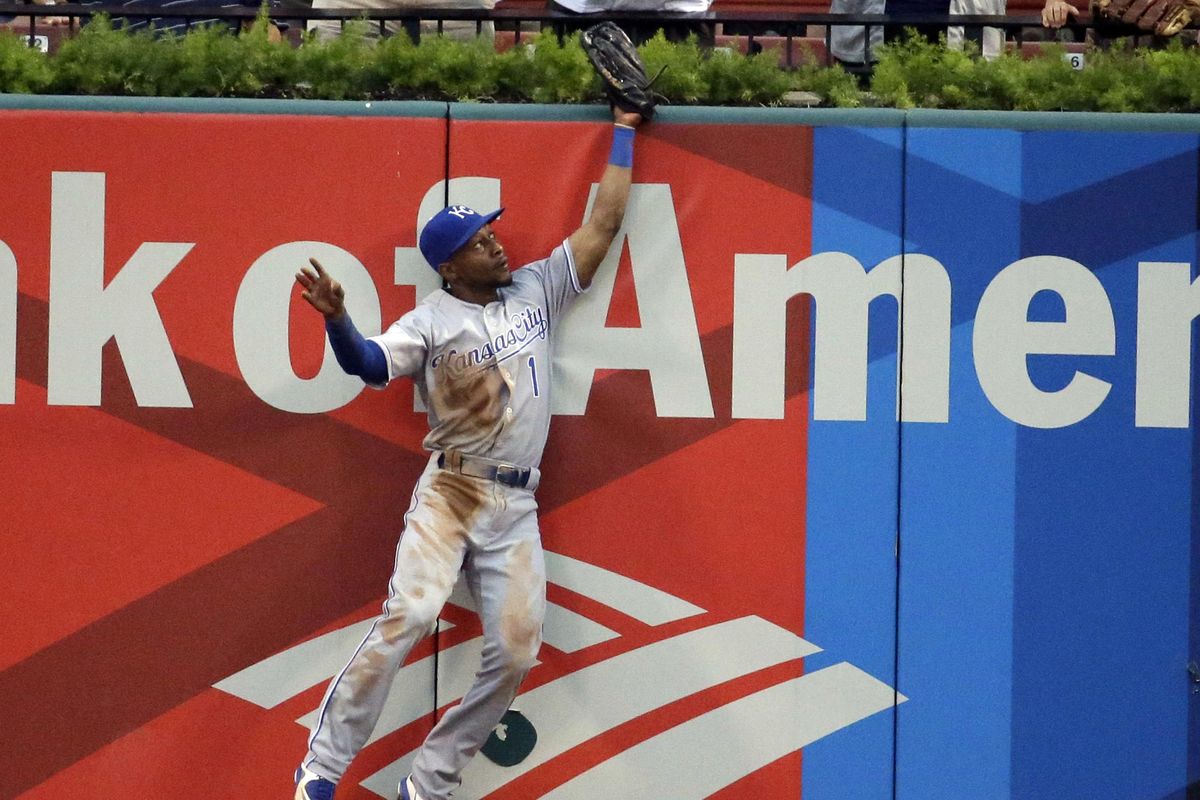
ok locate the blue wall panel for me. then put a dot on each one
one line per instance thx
(1048, 577)
(957, 496)
(1103, 517)
(852, 470)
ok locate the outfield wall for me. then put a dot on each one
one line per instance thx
(800, 543)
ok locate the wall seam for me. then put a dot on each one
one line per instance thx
(899, 450)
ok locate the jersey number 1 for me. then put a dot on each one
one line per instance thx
(533, 374)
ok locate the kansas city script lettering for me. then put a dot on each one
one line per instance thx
(523, 329)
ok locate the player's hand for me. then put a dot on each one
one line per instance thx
(630, 119)
(1056, 12)
(321, 291)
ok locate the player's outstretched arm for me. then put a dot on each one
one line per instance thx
(354, 354)
(590, 243)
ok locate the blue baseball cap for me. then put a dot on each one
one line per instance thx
(449, 229)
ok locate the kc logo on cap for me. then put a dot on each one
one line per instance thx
(450, 229)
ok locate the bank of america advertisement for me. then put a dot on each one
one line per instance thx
(872, 473)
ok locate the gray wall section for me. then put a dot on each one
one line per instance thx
(848, 117)
(221, 105)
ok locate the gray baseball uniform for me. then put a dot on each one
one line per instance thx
(484, 373)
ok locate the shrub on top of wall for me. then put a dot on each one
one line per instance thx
(100, 60)
(547, 72)
(214, 62)
(22, 69)
(917, 73)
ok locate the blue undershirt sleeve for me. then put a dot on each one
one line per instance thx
(355, 354)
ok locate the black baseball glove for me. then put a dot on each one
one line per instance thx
(620, 68)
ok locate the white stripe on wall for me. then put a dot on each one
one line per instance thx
(567, 631)
(644, 603)
(703, 755)
(411, 695)
(285, 675)
(584, 704)
(563, 629)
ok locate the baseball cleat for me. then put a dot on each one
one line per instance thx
(311, 786)
(408, 790)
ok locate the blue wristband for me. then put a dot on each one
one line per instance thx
(621, 154)
(354, 354)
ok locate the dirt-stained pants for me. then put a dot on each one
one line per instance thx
(455, 522)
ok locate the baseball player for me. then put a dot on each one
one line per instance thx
(479, 352)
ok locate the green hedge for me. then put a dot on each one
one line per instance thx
(212, 62)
